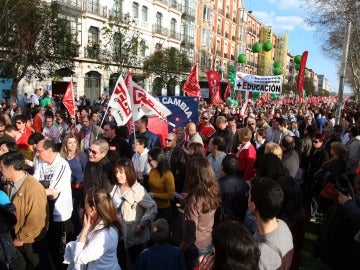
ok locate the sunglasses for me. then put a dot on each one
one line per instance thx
(316, 141)
(92, 152)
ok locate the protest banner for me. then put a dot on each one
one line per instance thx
(254, 83)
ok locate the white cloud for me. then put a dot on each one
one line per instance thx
(281, 23)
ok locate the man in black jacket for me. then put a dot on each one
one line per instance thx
(98, 170)
(118, 146)
(233, 189)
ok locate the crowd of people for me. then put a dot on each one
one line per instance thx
(232, 191)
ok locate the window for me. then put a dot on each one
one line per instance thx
(172, 26)
(93, 35)
(135, 10)
(144, 13)
(158, 19)
(207, 14)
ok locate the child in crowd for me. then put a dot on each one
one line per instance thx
(163, 255)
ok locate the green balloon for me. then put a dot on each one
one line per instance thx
(276, 64)
(297, 59)
(242, 58)
(297, 66)
(267, 46)
(277, 71)
(256, 47)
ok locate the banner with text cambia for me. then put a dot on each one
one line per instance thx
(254, 83)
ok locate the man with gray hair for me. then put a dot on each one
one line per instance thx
(98, 170)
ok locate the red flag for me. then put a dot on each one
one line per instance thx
(301, 75)
(68, 99)
(214, 86)
(191, 86)
(128, 79)
(227, 91)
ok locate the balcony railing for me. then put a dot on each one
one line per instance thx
(159, 30)
(77, 4)
(187, 11)
(174, 35)
(175, 5)
(96, 9)
(92, 52)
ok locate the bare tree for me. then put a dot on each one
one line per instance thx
(329, 17)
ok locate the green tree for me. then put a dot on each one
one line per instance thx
(124, 48)
(33, 39)
(167, 64)
(329, 17)
(309, 86)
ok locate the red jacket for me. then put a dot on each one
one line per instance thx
(246, 156)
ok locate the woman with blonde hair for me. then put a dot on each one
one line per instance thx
(95, 247)
(274, 148)
(77, 160)
(201, 203)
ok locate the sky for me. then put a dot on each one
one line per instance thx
(287, 17)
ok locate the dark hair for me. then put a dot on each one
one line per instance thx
(230, 164)
(20, 117)
(11, 146)
(354, 131)
(319, 136)
(269, 165)
(158, 154)
(202, 185)
(15, 159)
(128, 167)
(142, 140)
(50, 144)
(268, 197)
(198, 148)
(282, 122)
(291, 211)
(103, 203)
(160, 231)
(145, 120)
(261, 132)
(35, 138)
(9, 128)
(235, 247)
(219, 142)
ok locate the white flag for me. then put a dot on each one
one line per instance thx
(120, 103)
(142, 102)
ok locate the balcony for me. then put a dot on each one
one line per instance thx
(92, 51)
(175, 5)
(188, 12)
(159, 30)
(174, 35)
(95, 9)
(76, 4)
